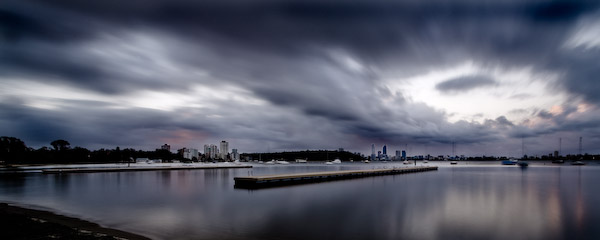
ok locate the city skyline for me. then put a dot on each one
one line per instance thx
(421, 76)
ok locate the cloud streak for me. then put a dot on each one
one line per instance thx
(464, 84)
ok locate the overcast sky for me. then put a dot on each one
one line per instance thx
(296, 75)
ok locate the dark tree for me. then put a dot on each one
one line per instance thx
(12, 149)
(60, 145)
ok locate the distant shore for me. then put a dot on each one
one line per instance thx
(24, 223)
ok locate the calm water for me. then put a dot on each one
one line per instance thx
(456, 202)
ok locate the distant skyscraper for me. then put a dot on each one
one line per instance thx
(372, 152)
(166, 147)
(224, 149)
(384, 149)
(403, 155)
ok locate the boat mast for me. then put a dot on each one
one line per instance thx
(580, 145)
(522, 147)
(559, 146)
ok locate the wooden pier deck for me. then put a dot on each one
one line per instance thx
(254, 182)
(136, 169)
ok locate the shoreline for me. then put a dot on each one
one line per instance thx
(26, 223)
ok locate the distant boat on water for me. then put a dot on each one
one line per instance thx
(453, 162)
(329, 163)
(425, 161)
(578, 163)
(406, 162)
(301, 160)
(337, 161)
(523, 164)
(510, 162)
(366, 161)
(558, 161)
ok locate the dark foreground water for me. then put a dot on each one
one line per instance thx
(456, 202)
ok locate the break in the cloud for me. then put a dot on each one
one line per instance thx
(272, 75)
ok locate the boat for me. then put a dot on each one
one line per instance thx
(337, 161)
(523, 164)
(509, 162)
(558, 161)
(270, 162)
(366, 161)
(453, 162)
(301, 160)
(282, 162)
(328, 163)
(425, 161)
(406, 162)
(578, 163)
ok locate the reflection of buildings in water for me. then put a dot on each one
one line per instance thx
(579, 204)
(546, 204)
(566, 203)
(489, 209)
(554, 209)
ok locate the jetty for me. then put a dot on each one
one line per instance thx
(255, 182)
(136, 169)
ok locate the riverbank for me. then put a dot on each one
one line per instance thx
(24, 223)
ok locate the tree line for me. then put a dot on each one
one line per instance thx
(310, 155)
(15, 151)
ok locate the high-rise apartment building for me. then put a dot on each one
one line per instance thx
(207, 151)
(224, 149)
(214, 151)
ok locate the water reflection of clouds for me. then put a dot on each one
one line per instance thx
(452, 203)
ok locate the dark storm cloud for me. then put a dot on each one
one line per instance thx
(582, 69)
(89, 126)
(545, 114)
(515, 32)
(568, 119)
(281, 52)
(503, 121)
(464, 84)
